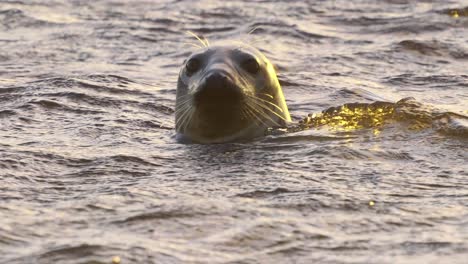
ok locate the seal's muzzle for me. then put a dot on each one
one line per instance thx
(217, 90)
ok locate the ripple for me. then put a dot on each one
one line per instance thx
(131, 159)
(7, 113)
(282, 28)
(11, 19)
(433, 48)
(65, 253)
(97, 94)
(54, 105)
(158, 215)
(263, 194)
(112, 84)
(380, 24)
(452, 124)
(11, 238)
(88, 156)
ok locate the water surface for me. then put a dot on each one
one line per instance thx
(90, 168)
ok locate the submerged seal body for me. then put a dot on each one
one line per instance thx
(228, 93)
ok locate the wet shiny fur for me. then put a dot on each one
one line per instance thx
(228, 93)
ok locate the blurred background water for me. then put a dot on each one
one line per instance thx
(90, 169)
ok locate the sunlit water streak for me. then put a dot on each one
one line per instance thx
(90, 168)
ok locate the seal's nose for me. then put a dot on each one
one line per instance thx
(216, 80)
(217, 88)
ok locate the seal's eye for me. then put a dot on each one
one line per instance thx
(251, 65)
(192, 66)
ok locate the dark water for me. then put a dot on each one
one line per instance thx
(90, 168)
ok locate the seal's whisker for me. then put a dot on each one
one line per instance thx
(252, 43)
(243, 40)
(185, 96)
(245, 115)
(182, 108)
(185, 118)
(180, 117)
(267, 94)
(269, 109)
(262, 103)
(183, 122)
(206, 41)
(182, 98)
(266, 101)
(185, 110)
(256, 119)
(192, 44)
(250, 115)
(248, 39)
(203, 41)
(188, 120)
(183, 101)
(263, 114)
(182, 111)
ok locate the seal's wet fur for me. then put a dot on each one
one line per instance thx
(228, 93)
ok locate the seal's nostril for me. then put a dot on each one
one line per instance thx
(217, 89)
(216, 80)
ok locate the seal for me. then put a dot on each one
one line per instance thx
(228, 93)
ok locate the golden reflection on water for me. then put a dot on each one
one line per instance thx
(356, 116)
(456, 13)
(116, 260)
(352, 116)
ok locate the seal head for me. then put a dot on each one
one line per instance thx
(228, 93)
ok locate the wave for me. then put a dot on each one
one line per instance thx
(91, 94)
(433, 48)
(14, 18)
(417, 116)
(407, 22)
